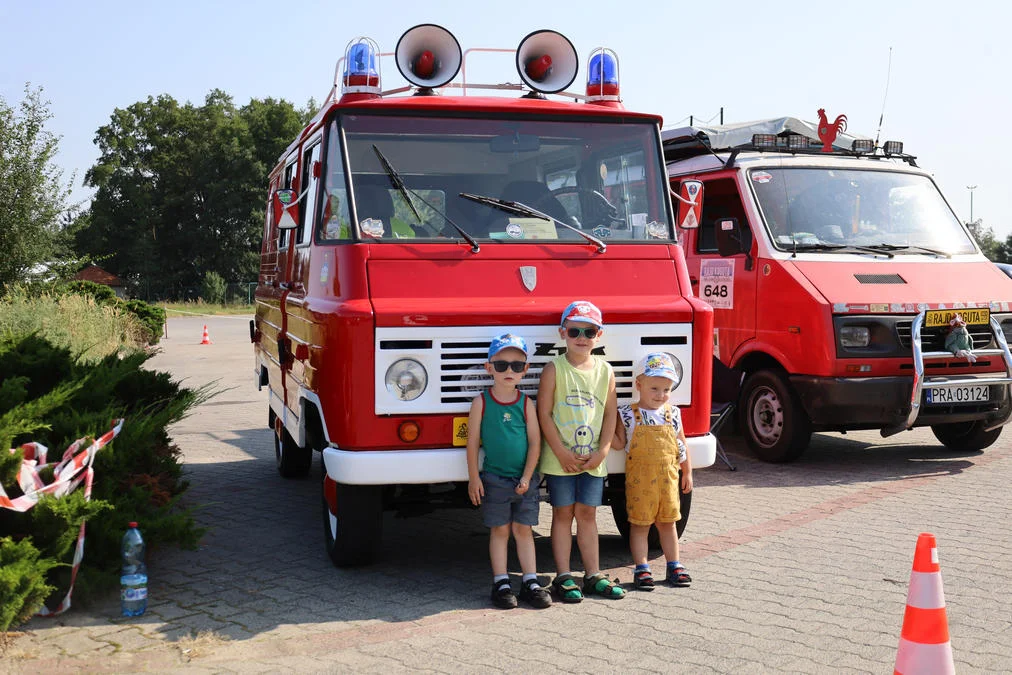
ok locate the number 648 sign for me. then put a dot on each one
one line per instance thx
(716, 283)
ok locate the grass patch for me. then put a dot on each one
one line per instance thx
(77, 323)
(204, 308)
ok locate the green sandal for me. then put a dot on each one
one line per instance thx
(600, 584)
(565, 587)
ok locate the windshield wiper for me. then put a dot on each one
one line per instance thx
(398, 182)
(840, 248)
(521, 209)
(911, 249)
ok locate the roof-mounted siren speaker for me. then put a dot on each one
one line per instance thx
(428, 56)
(361, 68)
(602, 77)
(547, 62)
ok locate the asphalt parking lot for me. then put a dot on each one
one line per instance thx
(800, 568)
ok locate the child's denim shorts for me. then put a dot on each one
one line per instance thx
(575, 488)
(502, 505)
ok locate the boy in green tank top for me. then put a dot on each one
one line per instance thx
(577, 410)
(504, 422)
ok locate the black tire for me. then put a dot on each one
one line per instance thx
(292, 461)
(965, 436)
(353, 536)
(616, 484)
(774, 424)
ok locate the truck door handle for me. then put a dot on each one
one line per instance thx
(693, 280)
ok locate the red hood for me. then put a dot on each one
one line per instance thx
(439, 285)
(907, 282)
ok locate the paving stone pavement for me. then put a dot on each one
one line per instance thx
(800, 568)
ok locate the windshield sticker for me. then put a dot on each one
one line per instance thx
(372, 227)
(534, 228)
(602, 232)
(716, 283)
(657, 230)
(324, 273)
(762, 177)
(514, 231)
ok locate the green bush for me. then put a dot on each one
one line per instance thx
(100, 293)
(23, 586)
(51, 397)
(213, 288)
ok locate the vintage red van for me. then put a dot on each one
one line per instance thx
(834, 268)
(404, 232)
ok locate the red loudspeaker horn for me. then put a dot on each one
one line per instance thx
(428, 56)
(547, 61)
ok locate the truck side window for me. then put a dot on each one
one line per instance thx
(286, 183)
(722, 201)
(335, 219)
(310, 183)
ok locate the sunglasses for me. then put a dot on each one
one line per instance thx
(588, 333)
(515, 366)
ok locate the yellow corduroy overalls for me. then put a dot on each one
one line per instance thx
(651, 472)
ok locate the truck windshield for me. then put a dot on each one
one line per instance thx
(891, 211)
(604, 178)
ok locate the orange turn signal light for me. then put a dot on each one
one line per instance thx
(409, 431)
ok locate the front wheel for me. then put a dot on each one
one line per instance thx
(617, 500)
(965, 436)
(775, 425)
(352, 521)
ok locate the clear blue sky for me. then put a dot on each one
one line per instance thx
(949, 95)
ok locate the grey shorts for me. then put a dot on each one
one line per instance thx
(502, 505)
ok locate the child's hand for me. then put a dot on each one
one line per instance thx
(686, 481)
(592, 461)
(523, 485)
(571, 462)
(475, 490)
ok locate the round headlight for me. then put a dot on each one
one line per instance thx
(406, 379)
(678, 370)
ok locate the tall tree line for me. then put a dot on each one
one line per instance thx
(181, 189)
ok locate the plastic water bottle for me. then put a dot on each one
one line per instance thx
(133, 582)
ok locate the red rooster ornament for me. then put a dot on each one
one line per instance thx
(827, 131)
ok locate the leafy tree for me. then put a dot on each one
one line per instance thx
(31, 189)
(213, 288)
(985, 237)
(181, 189)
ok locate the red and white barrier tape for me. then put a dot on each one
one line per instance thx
(76, 466)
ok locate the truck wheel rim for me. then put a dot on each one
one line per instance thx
(767, 417)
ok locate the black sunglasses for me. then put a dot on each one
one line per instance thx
(588, 333)
(516, 366)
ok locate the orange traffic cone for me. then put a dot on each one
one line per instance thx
(924, 641)
(206, 339)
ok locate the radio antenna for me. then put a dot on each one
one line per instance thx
(881, 115)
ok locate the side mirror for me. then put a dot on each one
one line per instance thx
(690, 204)
(732, 239)
(283, 203)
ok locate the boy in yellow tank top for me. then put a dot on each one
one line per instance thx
(577, 410)
(651, 432)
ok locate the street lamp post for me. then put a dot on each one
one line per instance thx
(971, 188)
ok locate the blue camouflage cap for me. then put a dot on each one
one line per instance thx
(506, 341)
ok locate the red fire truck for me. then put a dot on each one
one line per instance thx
(404, 232)
(835, 269)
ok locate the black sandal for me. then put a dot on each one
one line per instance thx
(502, 595)
(678, 577)
(565, 587)
(643, 580)
(600, 584)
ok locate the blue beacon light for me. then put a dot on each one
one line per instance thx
(602, 76)
(360, 74)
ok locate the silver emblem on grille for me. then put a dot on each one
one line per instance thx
(529, 275)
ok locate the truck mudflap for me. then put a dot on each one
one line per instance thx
(942, 383)
(445, 465)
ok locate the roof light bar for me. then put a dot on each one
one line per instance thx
(863, 145)
(893, 148)
(764, 141)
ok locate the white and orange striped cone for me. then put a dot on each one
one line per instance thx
(206, 339)
(924, 641)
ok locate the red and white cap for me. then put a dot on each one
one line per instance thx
(582, 310)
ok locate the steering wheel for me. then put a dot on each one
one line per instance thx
(594, 206)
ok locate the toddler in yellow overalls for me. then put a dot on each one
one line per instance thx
(651, 431)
